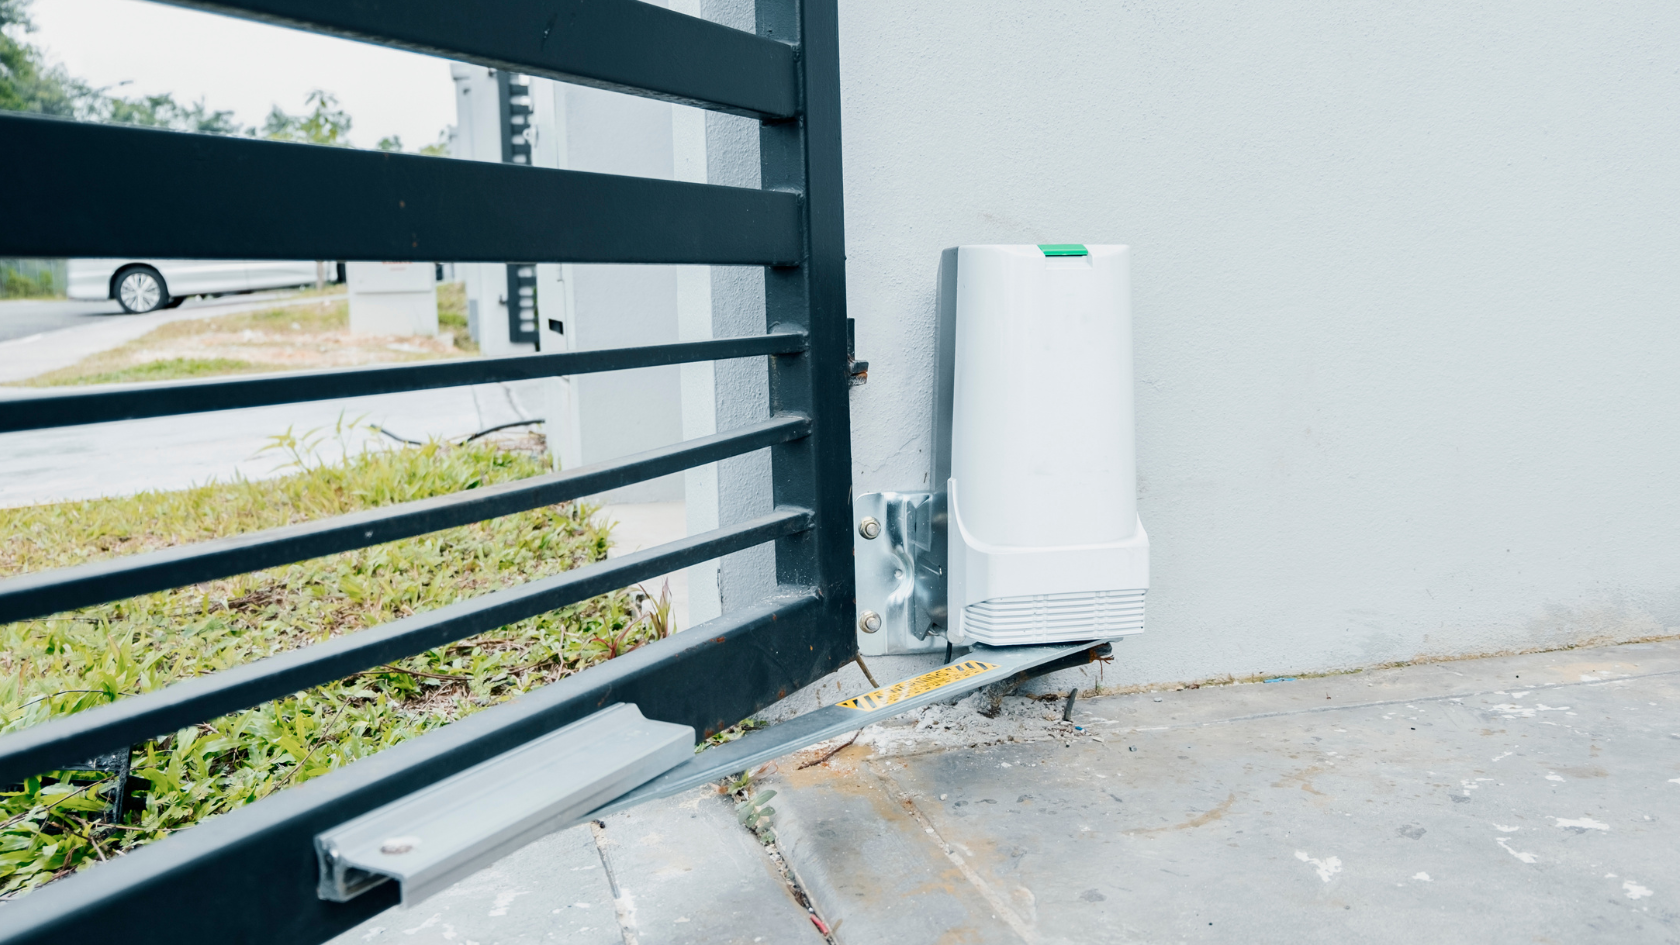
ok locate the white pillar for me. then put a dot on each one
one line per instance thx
(392, 298)
(699, 390)
(612, 414)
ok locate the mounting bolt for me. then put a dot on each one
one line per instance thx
(869, 527)
(870, 621)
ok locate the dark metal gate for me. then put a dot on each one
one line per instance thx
(250, 875)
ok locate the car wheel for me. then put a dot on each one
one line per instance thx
(141, 290)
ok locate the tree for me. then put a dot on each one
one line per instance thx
(162, 111)
(440, 147)
(27, 82)
(325, 124)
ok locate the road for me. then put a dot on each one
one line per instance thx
(24, 317)
(21, 318)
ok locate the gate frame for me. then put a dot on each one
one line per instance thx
(250, 875)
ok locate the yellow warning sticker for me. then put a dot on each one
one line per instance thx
(910, 688)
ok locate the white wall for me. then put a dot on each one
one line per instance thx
(1408, 340)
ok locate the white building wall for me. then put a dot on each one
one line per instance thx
(1405, 298)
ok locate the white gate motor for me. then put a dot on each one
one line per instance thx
(1035, 537)
(1038, 520)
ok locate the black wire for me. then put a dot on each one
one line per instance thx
(393, 436)
(516, 423)
(486, 432)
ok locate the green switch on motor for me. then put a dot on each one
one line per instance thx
(1063, 249)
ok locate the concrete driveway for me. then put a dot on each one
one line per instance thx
(1512, 800)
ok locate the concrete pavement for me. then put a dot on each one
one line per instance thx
(675, 872)
(20, 318)
(1530, 798)
(1521, 799)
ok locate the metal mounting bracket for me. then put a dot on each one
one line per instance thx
(898, 548)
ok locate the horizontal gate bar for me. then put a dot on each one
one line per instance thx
(135, 402)
(66, 741)
(251, 874)
(238, 198)
(48, 592)
(622, 45)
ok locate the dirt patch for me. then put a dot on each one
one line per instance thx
(962, 725)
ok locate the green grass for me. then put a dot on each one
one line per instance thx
(52, 825)
(256, 335)
(168, 369)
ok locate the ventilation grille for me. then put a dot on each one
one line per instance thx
(1054, 618)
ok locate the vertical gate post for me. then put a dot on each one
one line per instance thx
(802, 154)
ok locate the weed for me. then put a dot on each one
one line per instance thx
(731, 733)
(750, 804)
(755, 815)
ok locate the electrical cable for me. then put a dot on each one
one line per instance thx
(485, 432)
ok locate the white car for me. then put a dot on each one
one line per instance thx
(143, 285)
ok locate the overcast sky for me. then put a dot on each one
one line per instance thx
(245, 66)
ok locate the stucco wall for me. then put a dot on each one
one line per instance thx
(1408, 346)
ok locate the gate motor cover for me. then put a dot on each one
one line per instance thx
(1044, 543)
